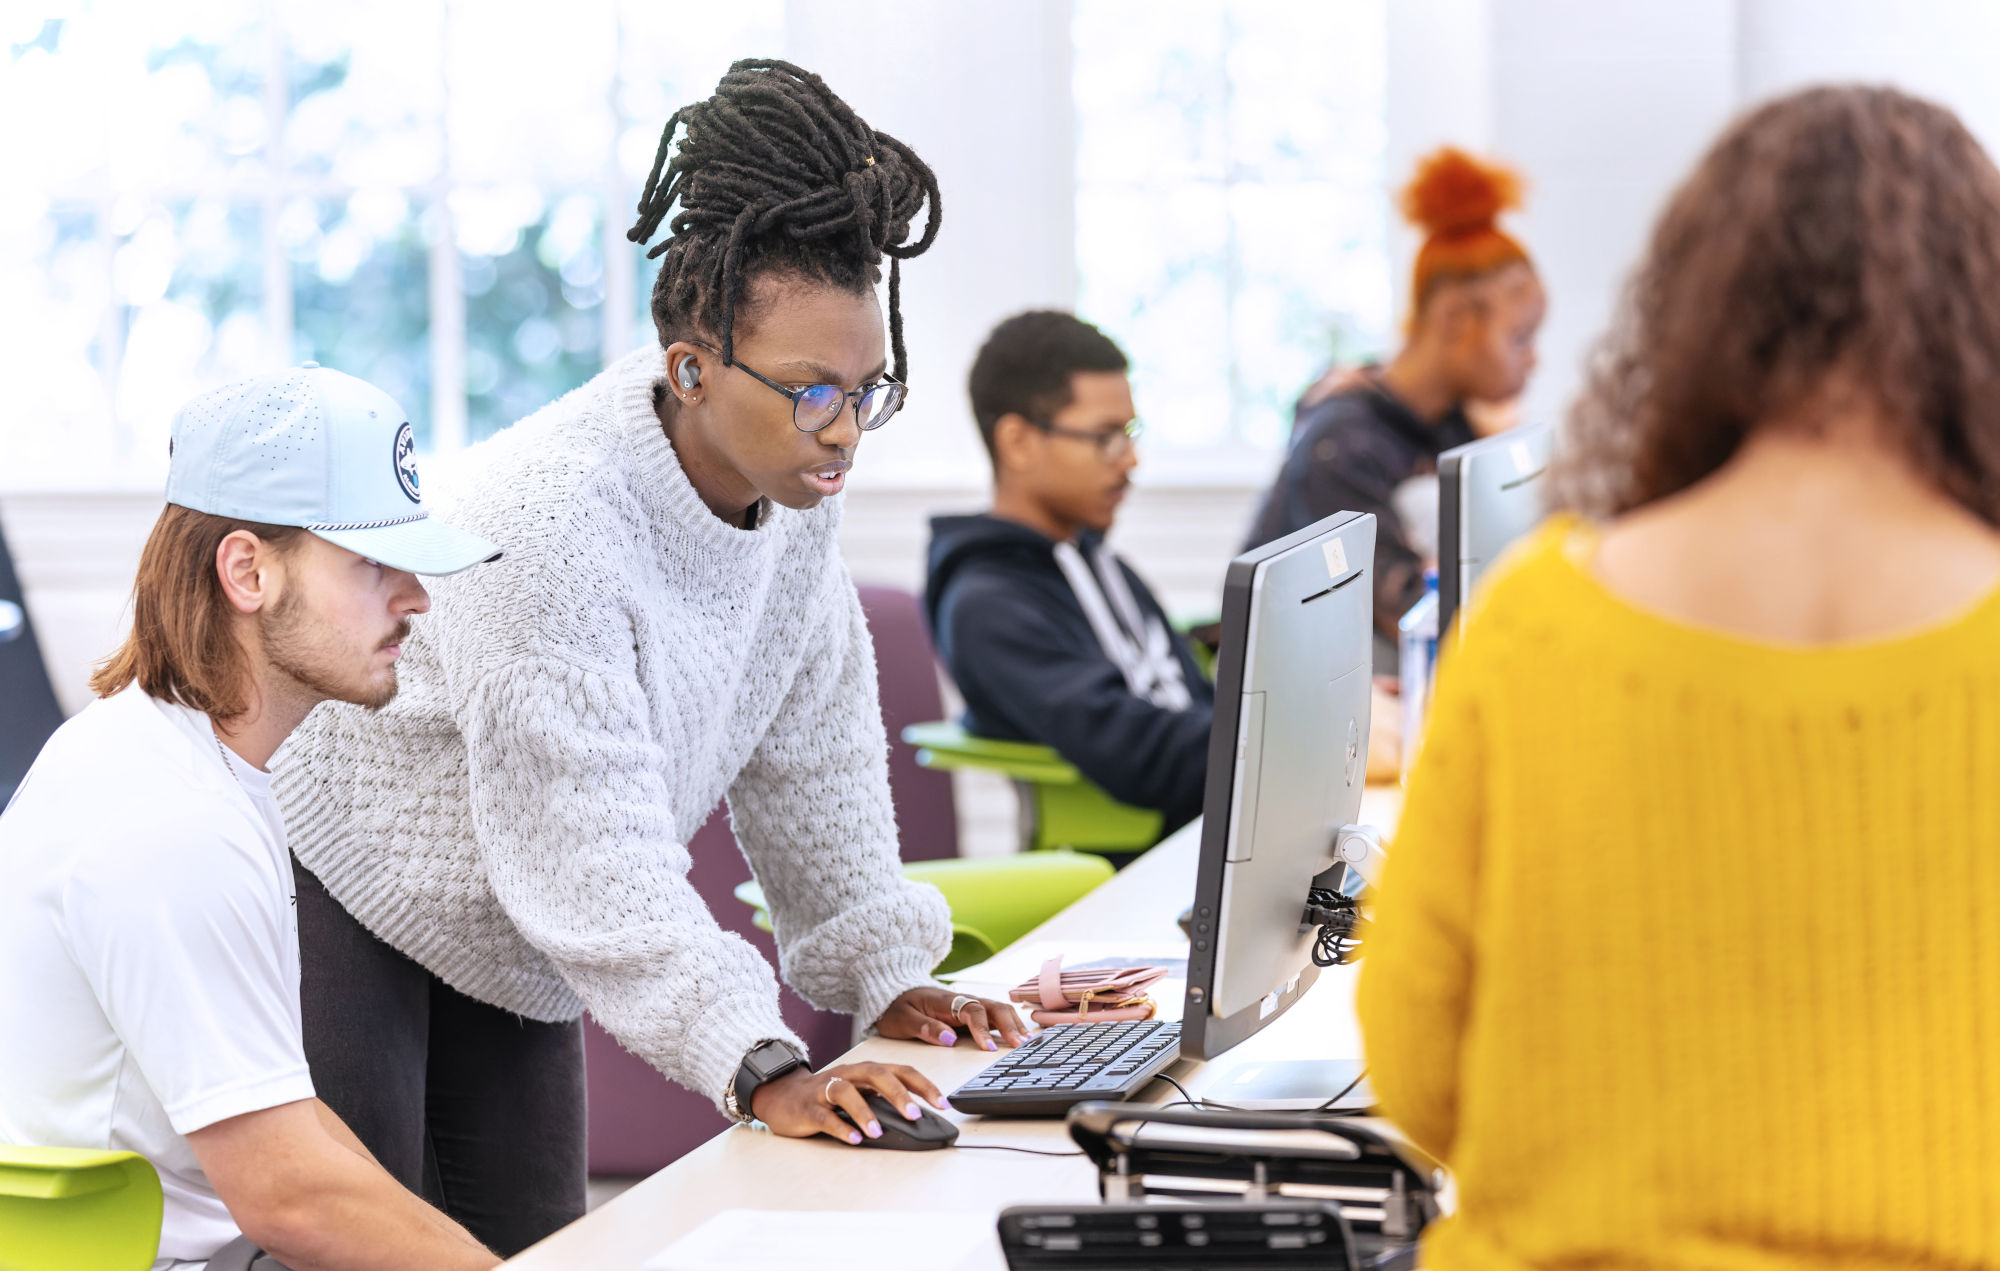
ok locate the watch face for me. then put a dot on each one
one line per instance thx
(771, 1058)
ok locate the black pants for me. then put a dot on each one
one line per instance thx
(477, 1110)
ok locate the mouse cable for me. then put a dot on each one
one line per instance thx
(1004, 1147)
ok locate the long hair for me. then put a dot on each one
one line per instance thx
(182, 647)
(775, 174)
(1840, 236)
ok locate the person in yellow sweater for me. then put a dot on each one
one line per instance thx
(1687, 953)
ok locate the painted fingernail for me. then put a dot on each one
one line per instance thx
(913, 1112)
(943, 1102)
(854, 1138)
(947, 1038)
(874, 1129)
(990, 1045)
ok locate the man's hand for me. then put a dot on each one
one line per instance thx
(928, 1014)
(801, 1103)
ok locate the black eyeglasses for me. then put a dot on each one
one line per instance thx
(817, 405)
(1112, 444)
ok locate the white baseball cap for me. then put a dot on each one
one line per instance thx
(324, 451)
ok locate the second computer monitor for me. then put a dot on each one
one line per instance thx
(1287, 761)
(1489, 494)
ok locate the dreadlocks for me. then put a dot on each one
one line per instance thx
(776, 173)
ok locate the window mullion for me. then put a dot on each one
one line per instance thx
(620, 263)
(277, 270)
(446, 276)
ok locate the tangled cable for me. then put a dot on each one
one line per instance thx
(1338, 941)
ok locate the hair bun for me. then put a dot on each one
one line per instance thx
(1453, 193)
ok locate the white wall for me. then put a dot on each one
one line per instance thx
(980, 89)
(1606, 107)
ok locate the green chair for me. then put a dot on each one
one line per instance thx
(1059, 807)
(994, 900)
(1198, 631)
(64, 1209)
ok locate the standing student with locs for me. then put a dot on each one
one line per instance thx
(672, 625)
(1686, 952)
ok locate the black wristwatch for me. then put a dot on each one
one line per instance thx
(767, 1061)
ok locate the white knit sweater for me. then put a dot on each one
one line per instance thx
(517, 819)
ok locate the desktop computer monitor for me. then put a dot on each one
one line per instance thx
(1287, 762)
(28, 709)
(1489, 494)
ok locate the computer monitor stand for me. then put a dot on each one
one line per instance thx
(1286, 1085)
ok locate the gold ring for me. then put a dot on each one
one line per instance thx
(959, 1003)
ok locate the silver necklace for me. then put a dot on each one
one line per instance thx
(224, 752)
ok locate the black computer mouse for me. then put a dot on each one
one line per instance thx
(901, 1134)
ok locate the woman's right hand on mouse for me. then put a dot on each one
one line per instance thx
(801, 1103)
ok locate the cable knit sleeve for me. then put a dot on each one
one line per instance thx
(813, 814)
(1416, 977)
(571, 812)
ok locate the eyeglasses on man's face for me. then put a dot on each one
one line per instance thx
(1112, 444)
(814, 406)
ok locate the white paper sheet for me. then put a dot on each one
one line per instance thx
(827, 1240)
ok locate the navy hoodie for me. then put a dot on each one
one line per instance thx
(1031, 668)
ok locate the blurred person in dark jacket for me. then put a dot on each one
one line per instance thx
(1050, 637)
(1368, 440)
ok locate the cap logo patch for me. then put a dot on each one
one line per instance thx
(406, 462)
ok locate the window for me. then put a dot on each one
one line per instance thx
(1231, 226)
(201, 189)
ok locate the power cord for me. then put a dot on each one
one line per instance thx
(1188, 1100)
(1345, 1090)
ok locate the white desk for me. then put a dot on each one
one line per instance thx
(750, 1168)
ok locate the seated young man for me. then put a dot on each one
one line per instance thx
(146, 897)
(1050, 637)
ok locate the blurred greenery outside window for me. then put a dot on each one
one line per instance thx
(203, 189)
(1229, 167)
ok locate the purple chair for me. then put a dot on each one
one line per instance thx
(639, 1121)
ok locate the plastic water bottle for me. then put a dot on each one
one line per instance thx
(1418, 632)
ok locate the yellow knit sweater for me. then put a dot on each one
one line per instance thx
(1687, 953)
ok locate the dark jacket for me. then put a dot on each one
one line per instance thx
(1348, 454)
(1024, 655)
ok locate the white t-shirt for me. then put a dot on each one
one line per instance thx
(150, 949)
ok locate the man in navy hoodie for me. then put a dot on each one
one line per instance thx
(1050, 637)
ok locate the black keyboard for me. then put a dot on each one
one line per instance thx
(1070, 1063)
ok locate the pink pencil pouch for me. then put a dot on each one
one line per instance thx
(1073, 997)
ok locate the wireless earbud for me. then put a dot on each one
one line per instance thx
(690, 375)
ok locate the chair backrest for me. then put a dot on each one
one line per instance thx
(63, 1208)
(906, 673)
(28, 709)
